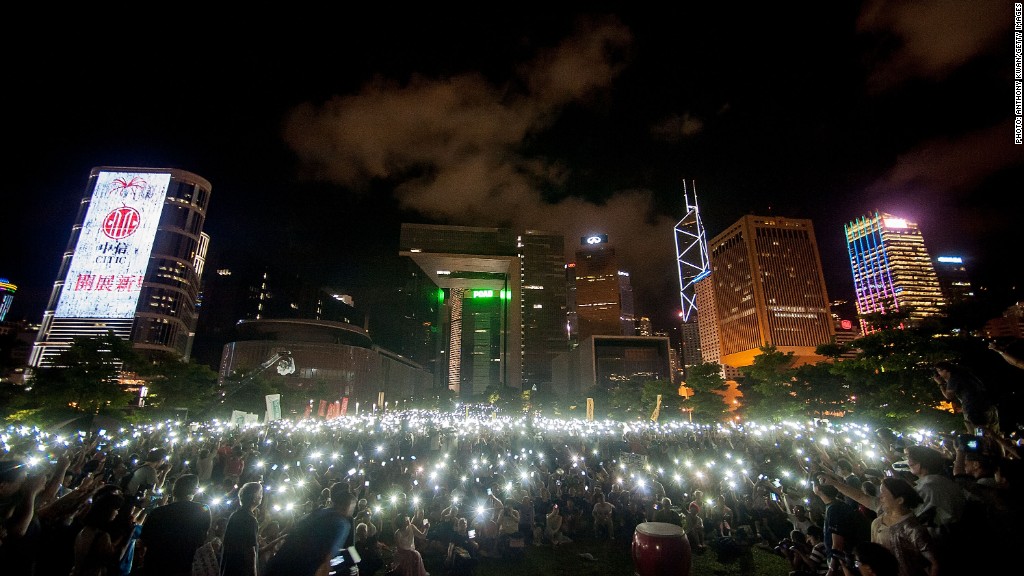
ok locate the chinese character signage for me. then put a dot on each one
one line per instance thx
(110, 260)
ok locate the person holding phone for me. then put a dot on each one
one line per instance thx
(553, 528)
(313, 544)
(959, 384)
(408, 560)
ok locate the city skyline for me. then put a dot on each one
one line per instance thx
(319, 148)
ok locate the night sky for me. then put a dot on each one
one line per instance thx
(322, 130)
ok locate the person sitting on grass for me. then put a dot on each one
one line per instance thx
(603, 513)
(553, 528)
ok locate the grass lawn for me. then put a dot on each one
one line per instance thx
(611, 558)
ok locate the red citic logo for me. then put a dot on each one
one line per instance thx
(121, 222)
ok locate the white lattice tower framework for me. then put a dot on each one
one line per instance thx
(691, 253)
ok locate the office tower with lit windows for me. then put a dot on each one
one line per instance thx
(132, 265)
(767, 289)
(7, 291)
(953, 278)
(709, 330)
(479, 276)
(542, 260)
(891, 268)
(603, 293)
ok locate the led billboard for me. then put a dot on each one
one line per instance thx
(112, 254)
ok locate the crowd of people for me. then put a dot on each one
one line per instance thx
(376, 494)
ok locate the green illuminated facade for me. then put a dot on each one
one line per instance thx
(501, 302)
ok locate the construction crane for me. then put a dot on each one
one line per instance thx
(281, 359)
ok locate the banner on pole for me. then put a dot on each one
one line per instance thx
(322, 412)
(657, 410)
(344, 405)
(273, 407)
(590, 409)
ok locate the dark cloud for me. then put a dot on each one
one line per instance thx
(454, 149)
(931, 39)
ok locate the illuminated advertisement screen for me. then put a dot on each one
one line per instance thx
(110, 260)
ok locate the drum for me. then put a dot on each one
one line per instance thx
(661, 549)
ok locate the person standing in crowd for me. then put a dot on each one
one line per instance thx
(959, 384)
(20, 527)
(838, 529)
(150, 475)
(204, 466)
(942, 498)
(317, 539)
(171, 534)
(98, 551)
(239, 551)
(898, 529)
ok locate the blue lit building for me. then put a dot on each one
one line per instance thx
(891, 267)
(7, 291)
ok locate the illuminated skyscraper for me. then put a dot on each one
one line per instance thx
(954, 279)
(542, 258)
(768, 289)
(604, 294)
(7, 291)
(479, 276)
(692, 260)
(502, 314)
(691, 255)
(132, 265)
(891, 267)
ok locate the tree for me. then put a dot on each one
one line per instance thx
(671, 401)
(768, 387)
(890, 379)
(821, 390)
(708, 384)
(85, 376)
(174, 384)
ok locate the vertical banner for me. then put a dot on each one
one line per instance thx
(273, 407)
(322, 412)
(309, 410)
(330, 411)
(344, 405)
(380, 400)
(337, 408)
(237, 417)
(590, 409)
(657, 410)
